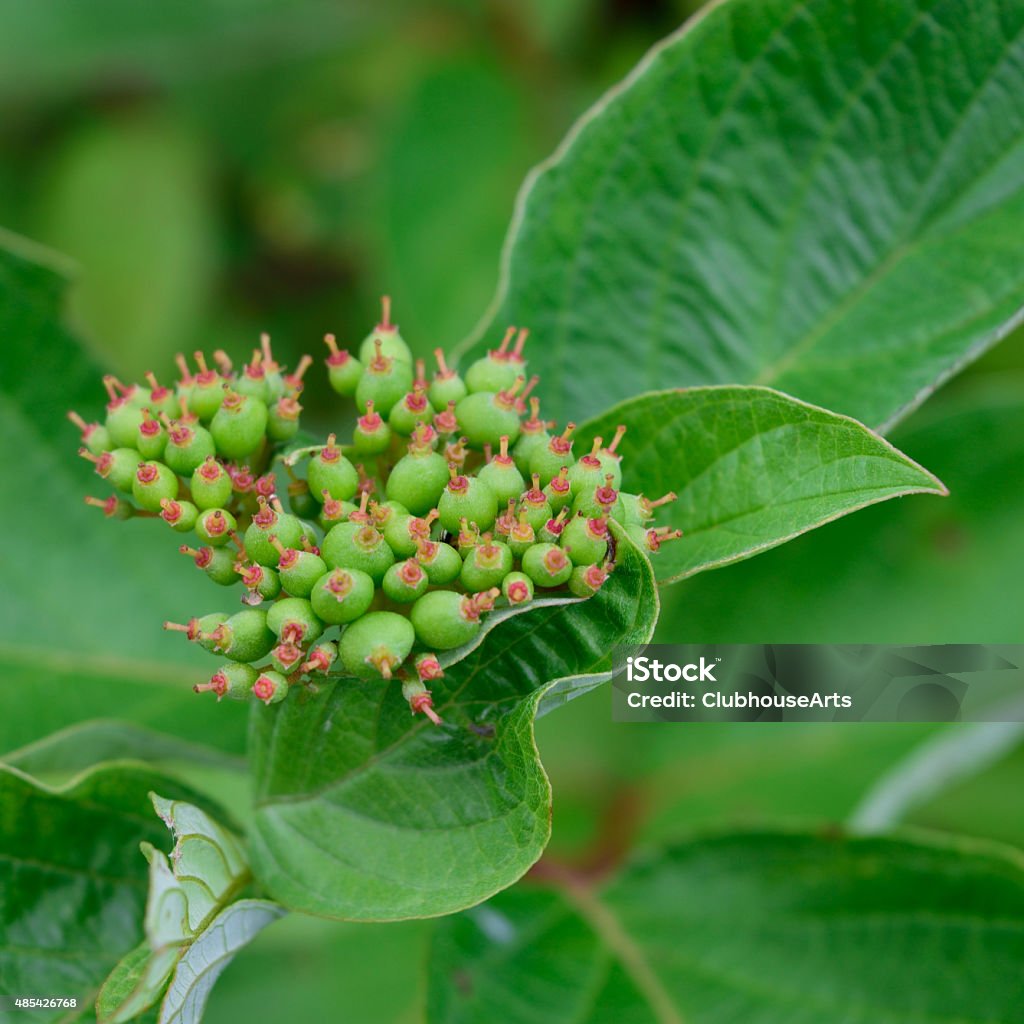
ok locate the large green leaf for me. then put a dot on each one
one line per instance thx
(934, 571)
(761, 928)
(72, 881)
(752, 468)
(365, 814)
(81, 635)
(822, 197)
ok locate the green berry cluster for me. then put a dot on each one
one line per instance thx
(453, 497)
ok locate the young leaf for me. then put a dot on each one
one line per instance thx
(823, 198)
(205, 872)
(211, 951)
(756, 928)
(367, 814)
(73, 883)
(752, 468)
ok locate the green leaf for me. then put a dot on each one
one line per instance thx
(73, 883)
(822, 198)
(83, 637)
(752, 468)
(204, 960)
(189, 896)
(86, 743)
(937, 571)
(366, 814)
(758, 928)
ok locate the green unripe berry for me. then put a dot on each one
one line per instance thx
(206, 391)
(252, 381)
(179, 515)
(239, 426)
(287, 658)
(499, 368)
(200, 630)
(95, 436)
(610, 461)
(404, 532)
(383, 512)
(440, 561)
(261, 581)
(321, 657)
(214, 526)
(122, 423)
(586, 539)
(486, 565)
(386, 333)
(271, 521)
(559, 491)
(330, 471)
(522, 536)
(466, 498)
(233, 680)
(551, 532)
(334, 511)
(534, 506)
(468, 537)
(485, 417)
(358, 546)
(372, 435)
(384, 382)
(601, 501)
(636, 510)
(154, 482)
(411, 409)
(217, 563)
(517, 588)
(586, 474)
(418, 479)
(447, 386)
(188, 447)
(343, 369)
(376, 645)
(270, 687)
(162, 401)
(444, 619)
(405, 581)
(301, 501)
(547, 565)
(502, 475)
(283, 418)
(547, 460)
(534, 434)
(151, 437)
(586, 580)
(341, 596)
(244, 636)
(210, 484)
(650, 541)
(294, 621)
(118, 466)
(299, 570)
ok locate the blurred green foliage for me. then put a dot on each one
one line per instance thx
(245, 165)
